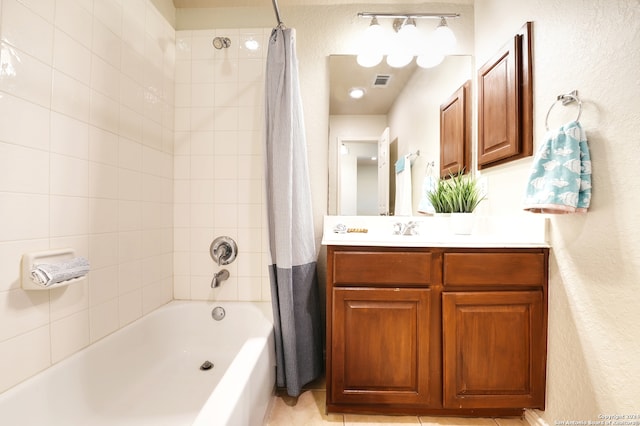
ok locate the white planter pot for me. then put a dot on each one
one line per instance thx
(462, 223)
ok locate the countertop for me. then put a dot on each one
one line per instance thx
(526, 230)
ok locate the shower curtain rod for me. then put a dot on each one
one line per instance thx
(276, 9)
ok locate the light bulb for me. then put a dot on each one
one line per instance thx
(444, 37)
(356, 92)
(369, 59)
(399, 60)
(401, 52)
(408, 30)
(371, 53)
(374, 31)
(429, 59)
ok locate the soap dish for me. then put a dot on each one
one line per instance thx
(46, 256)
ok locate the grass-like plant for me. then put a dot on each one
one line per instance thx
(457, 194)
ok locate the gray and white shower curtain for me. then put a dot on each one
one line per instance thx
(294, 283)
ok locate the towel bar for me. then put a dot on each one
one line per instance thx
(566, 99)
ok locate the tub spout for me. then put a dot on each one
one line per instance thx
(218, 277)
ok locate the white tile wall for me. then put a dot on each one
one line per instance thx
(218, 179)
(86, 160)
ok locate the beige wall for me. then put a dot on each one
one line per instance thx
(594, 320)
(86, 148)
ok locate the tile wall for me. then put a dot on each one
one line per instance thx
(218, 163)
(86, 161)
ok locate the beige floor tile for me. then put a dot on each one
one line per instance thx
(319, 384)
(511, 421)
(365, 420)
(306, 410)
(456, 421)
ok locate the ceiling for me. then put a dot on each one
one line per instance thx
(253, 3)
(345, 73)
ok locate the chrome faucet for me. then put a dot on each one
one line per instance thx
(409, 228)
(218, 277)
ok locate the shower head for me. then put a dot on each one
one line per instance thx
(221, 42)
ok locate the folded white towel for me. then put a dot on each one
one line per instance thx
(47, 274)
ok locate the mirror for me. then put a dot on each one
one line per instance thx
(404, 100)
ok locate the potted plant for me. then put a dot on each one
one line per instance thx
(459, 195)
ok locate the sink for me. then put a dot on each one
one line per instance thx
(434, 231)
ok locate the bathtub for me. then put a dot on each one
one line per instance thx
(148, 373)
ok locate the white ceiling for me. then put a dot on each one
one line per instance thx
(345, 73)
(251, 3)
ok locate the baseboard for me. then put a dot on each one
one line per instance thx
(534, 419)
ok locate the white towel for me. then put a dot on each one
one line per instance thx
(403, 188)
(47, 274)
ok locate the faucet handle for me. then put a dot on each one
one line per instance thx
(398, 228)
(411, 228)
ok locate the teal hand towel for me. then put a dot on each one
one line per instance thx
(560, 179)
(400, 165)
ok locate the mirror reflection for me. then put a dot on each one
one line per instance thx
(397, 114)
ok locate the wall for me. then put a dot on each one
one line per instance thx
(219, 185)
(594, 320)
(414, 118)
(86, 140)
(166, 9)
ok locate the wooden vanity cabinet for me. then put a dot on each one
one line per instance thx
(436, 330)
(494, 328)
(380, 317)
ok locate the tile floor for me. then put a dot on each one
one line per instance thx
(309, 410)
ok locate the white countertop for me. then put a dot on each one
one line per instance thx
(527, 230)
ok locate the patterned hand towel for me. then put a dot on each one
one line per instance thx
(560, 180)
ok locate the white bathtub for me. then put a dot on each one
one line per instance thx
(148, 373)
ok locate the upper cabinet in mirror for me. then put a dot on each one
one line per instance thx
(408, 102)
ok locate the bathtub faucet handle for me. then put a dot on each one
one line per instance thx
(223, 250)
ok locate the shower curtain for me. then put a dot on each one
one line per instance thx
(294, 284)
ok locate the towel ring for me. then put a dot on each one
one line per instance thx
(565, 99)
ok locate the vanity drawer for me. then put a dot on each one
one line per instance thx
(494, 268)
(386, 268)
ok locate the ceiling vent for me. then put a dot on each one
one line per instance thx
(381, 80)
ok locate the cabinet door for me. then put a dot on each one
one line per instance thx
(380, 346)
(494, 347)
(455, 133)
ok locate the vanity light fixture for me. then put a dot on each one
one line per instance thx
(372, 52)
(406, 41)
(356, 92)
(402, 53)
(444, 36)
